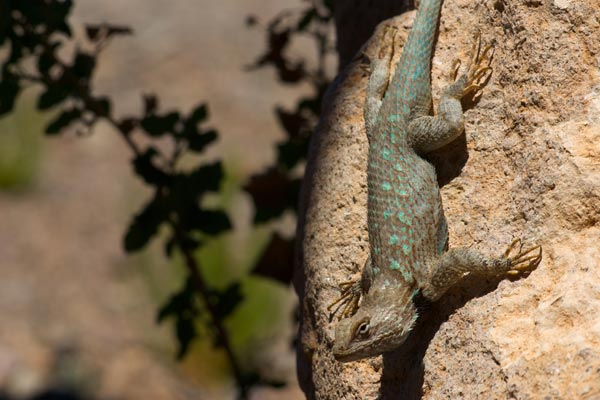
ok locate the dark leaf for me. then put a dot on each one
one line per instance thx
(100, 106)
(199, 114)
(117, 30)
(313, 104)
(228, 300)
(251, 378)
(199, 141)
(51, 97)
(292, 122)
(181, 301)
(126, 125)
(9, 90)
(64, 28)
(157, 125)
(188, 243)
(277, 260)
(306, 19)
(145, 168)
(211, 222)
(45, 62)
(182, 307)
(63, 119)
(251, 20)
(272, 192)
(144, 226)
(186, 333)
(92, 32)
(206, 178)
(104, 31)
(170, 245)
(84, 65)
(150, 104)
(290, 153)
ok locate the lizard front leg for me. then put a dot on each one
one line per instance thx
(352, 292)
(427, 133)
(457, 263)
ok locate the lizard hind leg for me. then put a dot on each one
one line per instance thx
(459, 262)
(379, 76)
(427, 133)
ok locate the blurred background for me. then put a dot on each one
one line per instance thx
(79, 314)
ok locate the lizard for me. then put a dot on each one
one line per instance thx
(408, 235)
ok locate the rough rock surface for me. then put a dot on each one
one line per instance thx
(528, 166)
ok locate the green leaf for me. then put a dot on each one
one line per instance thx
(158, 125)
(63, 119)
(144, 225)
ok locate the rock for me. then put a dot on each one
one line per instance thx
(528, 166)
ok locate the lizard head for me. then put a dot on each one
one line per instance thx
(374, 329)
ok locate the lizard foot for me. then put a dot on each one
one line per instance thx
(385, 53)
(350, 295)
(479, 70)
(524, 260)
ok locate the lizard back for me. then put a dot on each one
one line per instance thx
(405, 216)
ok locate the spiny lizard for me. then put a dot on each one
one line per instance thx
(408, 235)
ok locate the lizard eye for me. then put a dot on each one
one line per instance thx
(362, 331)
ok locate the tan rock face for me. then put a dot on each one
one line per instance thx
(528, 166)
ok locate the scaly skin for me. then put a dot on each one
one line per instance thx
(407, 229)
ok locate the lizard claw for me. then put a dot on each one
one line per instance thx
(524, 259)
(350, 295)
(479, 70)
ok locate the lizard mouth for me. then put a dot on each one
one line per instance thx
(347, 354)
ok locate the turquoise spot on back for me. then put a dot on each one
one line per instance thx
(406, 249)
(386, 186)
(405, 219)
(385, 153)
